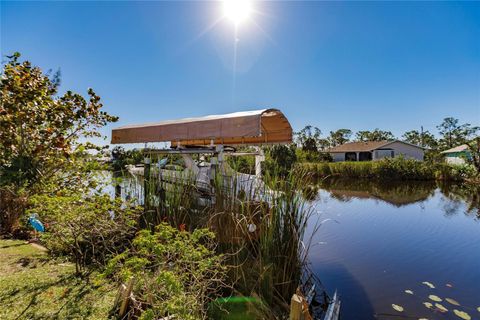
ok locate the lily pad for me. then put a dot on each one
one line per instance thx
(434, 298)
(397, 307)
(428, 305)
(429, 284)
(441, 308)
(409, 291)
(451, 301)
(478, 309)
(462, 314)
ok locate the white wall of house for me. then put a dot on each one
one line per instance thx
(399, 149)
(454, 160)
(408, 151)
(380, 154)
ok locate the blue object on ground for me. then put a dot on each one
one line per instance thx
(36, 224)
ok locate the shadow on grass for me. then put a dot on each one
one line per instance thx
(14, 245)
(68, 301)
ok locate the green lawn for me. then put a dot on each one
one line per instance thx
(34, 287)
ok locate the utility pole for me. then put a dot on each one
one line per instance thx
(421, 137)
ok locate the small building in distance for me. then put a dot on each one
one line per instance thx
(375, 150)
(457, 155)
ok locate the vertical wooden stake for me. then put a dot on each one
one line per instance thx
(125, 298)
(296, 306)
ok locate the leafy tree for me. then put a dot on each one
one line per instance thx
(122, 157)
(423, 139)
(339, 137)
(375, 135)
(280, 159)
(308, 138)
(323, 144)
(454, 134)
(41, 131)
(474, 147)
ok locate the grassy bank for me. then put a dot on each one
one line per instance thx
(35, 287)
(390, 169)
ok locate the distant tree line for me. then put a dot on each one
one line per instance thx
(450, 134)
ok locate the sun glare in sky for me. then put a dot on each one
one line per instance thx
(238, 11)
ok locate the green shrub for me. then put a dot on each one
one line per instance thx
(391, 169)
(280, 159)
(89, 229)
(175, 272)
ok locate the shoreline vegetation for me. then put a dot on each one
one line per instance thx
(237, 251)
(391, 169)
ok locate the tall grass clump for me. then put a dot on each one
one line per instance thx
(390, 169)
(259, 226)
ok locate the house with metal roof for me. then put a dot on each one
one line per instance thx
(375, 150)
(457, 155)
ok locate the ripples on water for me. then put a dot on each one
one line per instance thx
(379, 240)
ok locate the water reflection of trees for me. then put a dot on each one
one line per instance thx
(461, 193)
(400, 193)
(397, 193)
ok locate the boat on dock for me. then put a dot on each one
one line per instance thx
(214, 137)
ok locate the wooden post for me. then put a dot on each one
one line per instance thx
(258, 162)
(299, 307)
(296, 306)
(125, 298)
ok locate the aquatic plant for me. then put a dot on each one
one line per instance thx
(436, 307)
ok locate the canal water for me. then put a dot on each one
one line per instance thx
(375, 241)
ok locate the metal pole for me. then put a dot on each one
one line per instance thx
(146, 183)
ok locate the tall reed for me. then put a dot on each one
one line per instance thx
(259, 224)
(390, 169)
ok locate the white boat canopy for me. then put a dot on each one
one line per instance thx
(256, 127)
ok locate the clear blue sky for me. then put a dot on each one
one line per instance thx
(391, 65)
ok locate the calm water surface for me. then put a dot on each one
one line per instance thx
(376, 241)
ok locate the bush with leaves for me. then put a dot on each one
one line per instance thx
(279, 160)
(122, 158)
(175, 272)
(397, 168)
(89, 229)
(41, 133)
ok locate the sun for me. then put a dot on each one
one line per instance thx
(238, 11)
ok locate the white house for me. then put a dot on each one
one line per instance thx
(457, 155)
(375, 150)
